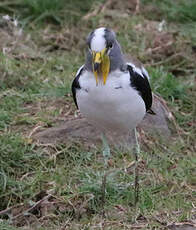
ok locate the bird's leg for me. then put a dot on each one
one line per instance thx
(136, 183)
(106, 150)
(106, 156)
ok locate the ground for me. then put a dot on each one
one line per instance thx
(57, 185)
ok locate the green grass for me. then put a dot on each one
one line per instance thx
(5, 226)
(167, 85)
(57, 11)
(182, 13)
(17, 159)
(35, 92)
(178, 11)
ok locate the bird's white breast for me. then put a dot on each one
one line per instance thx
(115, 106)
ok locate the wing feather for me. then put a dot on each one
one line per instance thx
(76, 85)
(139, 80)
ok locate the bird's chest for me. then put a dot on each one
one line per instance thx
(116, 96)
(115, 105)
(109, 95)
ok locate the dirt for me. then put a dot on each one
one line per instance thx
(182, 226)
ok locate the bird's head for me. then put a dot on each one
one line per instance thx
(104, 53)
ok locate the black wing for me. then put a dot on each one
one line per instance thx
(76, 85)
(141, 84)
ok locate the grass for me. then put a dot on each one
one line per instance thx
(35, 80)
(177, 11)
(57, 11)
(182, 13)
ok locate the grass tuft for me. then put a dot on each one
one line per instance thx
(167, 85)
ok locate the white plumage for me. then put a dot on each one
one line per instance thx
(115, 106)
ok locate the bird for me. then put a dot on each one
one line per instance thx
(111, 93)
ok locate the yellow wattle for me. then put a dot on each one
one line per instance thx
(105, 67)
(103, 59)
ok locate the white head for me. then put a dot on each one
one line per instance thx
(98, 41)
(104, 53)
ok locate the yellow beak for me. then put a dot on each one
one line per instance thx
(101, 65)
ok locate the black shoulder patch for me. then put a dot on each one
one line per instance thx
(76, 85)
(141, 84)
